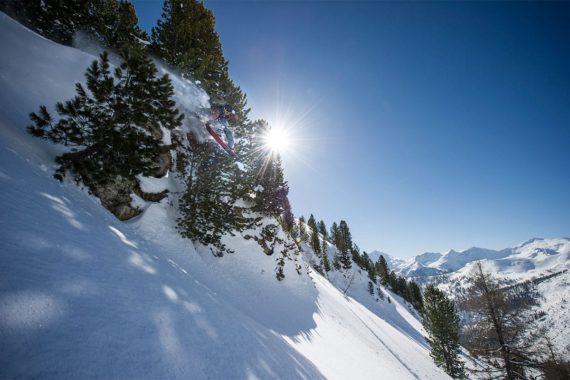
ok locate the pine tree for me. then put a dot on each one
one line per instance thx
(108, 22)
(322, 228)
(368, 266)
(114, 127)
(120, 28)
(287, 217)
(335, 234)
(414, 295)
(336, 261)
(325, 259)
(355, 250)
(208, 207)
(441, 322)
(345, 237)
(314, 235)
(345, 260)
(344, 245)
(401, 287)
(393, 281)
(382, 270)
(303, 234)
(185, 37)
(218, 197)
(270, 187)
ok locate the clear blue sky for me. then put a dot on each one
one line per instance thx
(425, 125)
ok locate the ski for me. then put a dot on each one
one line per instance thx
(221, 142)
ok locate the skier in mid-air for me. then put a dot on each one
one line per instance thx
(221, 114)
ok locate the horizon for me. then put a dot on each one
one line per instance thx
(426, 126)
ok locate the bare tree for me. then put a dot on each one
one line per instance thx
(500, 333)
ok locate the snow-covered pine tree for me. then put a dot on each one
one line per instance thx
(441, 322)
(114, 128)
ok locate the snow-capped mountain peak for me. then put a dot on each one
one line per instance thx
(534, 254)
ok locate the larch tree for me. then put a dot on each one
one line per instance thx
(501, 334)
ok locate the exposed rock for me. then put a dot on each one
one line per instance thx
(115, 196)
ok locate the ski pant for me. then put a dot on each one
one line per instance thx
(224, 126)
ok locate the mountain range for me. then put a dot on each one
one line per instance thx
(543, 262)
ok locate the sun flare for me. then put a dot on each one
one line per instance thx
(277, 140)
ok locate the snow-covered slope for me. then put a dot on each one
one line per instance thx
(83, 295)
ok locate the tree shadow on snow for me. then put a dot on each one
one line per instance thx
(82, 296)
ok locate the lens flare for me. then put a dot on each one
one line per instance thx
(277, 140)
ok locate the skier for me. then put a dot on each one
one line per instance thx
(220, 116)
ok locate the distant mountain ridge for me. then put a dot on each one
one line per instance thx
(394, 263)
(546, 262)
(535, 255)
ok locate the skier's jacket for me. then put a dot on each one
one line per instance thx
(220, 112)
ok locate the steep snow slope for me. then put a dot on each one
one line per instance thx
(83, 295)
(555, 306)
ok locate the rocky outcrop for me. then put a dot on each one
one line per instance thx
(115, 196)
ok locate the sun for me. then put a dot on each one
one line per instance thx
(277, 140)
